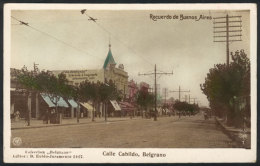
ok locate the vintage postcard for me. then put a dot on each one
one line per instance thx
(129, 83)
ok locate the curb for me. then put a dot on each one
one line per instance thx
(70, 124)
(234, 135)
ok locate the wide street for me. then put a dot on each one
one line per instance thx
(167, 132)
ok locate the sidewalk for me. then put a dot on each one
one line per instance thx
(70, 121)
(243, 138)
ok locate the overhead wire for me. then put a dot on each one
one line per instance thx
(53, 37)
(111, 34)
(100, 26)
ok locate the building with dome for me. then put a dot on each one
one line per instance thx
(109, 71)
(38, 103)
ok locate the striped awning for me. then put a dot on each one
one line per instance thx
(115, 105)
(47, 100)
(87, 106)
(73, 103)
(50, 100)
(126, 106)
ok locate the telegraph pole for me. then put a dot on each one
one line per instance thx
(35, 67)
(179, 91)
(155, 87)
(227, 29)
(185, 98)
(194, 99)
(165, 94)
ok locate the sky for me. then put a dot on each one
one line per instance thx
(66, 39)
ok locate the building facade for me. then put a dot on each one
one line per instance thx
(108, 72)
(75, 77)
(37, 106)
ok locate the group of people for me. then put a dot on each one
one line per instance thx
(16, 115)
(50, 116)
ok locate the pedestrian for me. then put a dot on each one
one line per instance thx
(52, 117)
(46, 117)
(27, 122)
(17, 116)
(205, 116)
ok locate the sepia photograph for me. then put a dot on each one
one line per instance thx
(135, 82)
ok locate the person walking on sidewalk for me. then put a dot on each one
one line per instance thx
(26, 118)
(205, 115)
(16, 116)
(46, 117)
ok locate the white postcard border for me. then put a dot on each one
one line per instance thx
(94, 155)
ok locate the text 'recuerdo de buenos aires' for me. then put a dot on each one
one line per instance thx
(180, 17)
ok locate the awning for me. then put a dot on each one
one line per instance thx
(47, 100)
(73, 103)
(115, 105)
(61, 102)
(87, 106)
(126, 106)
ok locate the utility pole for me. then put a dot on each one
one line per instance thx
(165, 94)
(194, 99)
(155, 87)
(35, 71)
(227, 29)
(185, 98)
(35, 68)
(179, 91)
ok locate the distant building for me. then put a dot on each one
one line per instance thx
(108, 72)
(144, 85)
(75, 77)
(132, 90)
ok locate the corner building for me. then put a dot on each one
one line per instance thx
(108, 72)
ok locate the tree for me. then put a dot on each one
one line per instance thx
(89, 91)
(224, 83)
(45, 82)
(144, 98)
(97, 92)
(28, 84)
(180, 106)
(54, 87)
(190, 109)
(108, 92)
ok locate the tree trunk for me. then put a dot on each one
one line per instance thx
(106, 111)
(93, 112)
(229, 116)
(29, 109)
(155, 115)
(77, 113)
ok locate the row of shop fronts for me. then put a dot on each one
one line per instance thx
(41, 105)
(38, 105)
